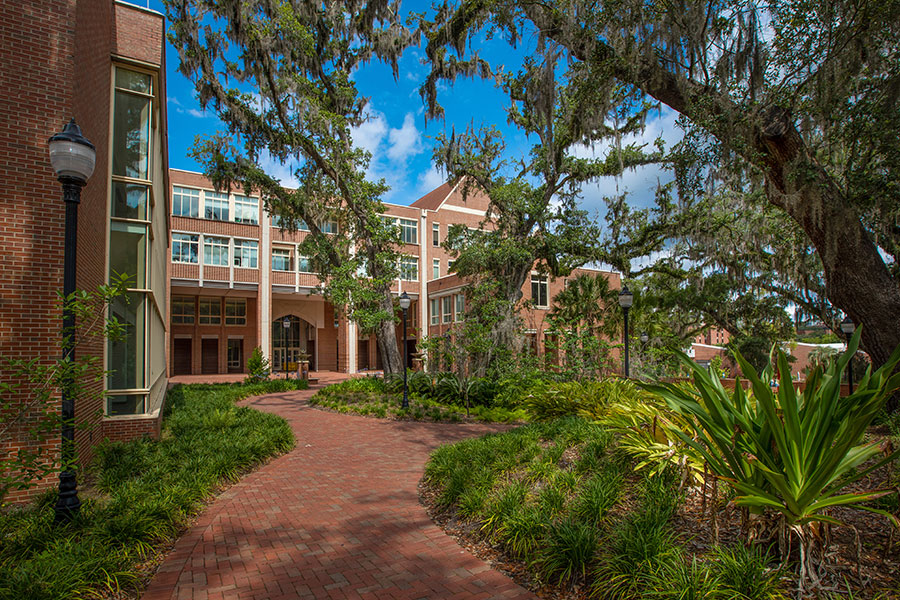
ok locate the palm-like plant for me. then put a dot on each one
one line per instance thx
(788, 453)
(588, 301)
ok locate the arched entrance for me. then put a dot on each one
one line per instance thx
(292, 337)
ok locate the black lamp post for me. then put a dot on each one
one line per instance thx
(404, 305)
(848, 327)
(626, 299)
(72, 157)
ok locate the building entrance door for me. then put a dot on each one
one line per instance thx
(293, 339)
(209, 356)
(181, 360)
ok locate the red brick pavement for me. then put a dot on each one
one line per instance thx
(336, 518)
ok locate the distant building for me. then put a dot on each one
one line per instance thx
(103, 63)
(715, 336)
(238, 281)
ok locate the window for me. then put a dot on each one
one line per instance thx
(303, 264)
(183, 310)
(210, 311)
(539, 290)
(450, 266)
(215, 251)
(235, 356)
(435, 234)
(328, 227)
(280, 222)
(460, 307)
(447, 312)
(130, 239)
(246, 253)
(216, 206)
(184, 248)
(409, 268)
(435, 268)
(246, 209)
(185, 202)
(235, 311)
(409, 232)
(281, 260)
(435, 315)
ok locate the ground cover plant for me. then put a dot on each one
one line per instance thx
(572, 518)
(140, 496)
(685, 491)
(430, 399)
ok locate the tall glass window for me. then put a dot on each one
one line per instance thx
(185, 202)
(246, 253)
(409, 268)
(215, 251)
(129, 238)
(246, 209)
(435, 311)
(539, 290)
(435, 268)
(408, 231)
(447, 309)
(435, 234)
(460, 308)
(303, 264)
(215, 206)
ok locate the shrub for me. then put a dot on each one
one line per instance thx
(745, 573)
(257, 366)
(793, 455)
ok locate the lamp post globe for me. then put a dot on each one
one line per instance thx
(405, 301)
(848, 327)
(644, 337)
(626, 299)
(73, 158)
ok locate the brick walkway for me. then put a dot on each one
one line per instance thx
(336, 518)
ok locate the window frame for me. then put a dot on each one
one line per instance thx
(446, 309)
(239, 318)
(181, 317)
(407, 225)
(211, 319)
(209, 211)
(290, 259)
(542, 284)
(459, 307)
(241, 202)
(251, 247)
(436, 235)
(435, 314)
(409, 263)
(213, 241)
(181, 192)
(435, 268)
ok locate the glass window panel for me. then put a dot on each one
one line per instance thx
(447, 305)
(129, 200)
(126, 353)
(246, 254)
(128, 252)
(408, 231)
(281, 260)
(436, 234)
(409, 268)
(215, 251)
(435, 268)
(184, 248)
(131, 136)
(236, 311)
(125, 405)
(185, 202)
(435, 316)
(183, 310)
(210, 311)
(303, 265)
(132, 80)
(215, 206)
(460, 307)
(329, 227)
(246, 210)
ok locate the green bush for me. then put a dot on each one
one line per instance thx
(589, 399)
(257, 366)
(147, 492)
(569, 551)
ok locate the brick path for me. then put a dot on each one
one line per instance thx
(336, 518)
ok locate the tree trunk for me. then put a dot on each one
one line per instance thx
(386, 338)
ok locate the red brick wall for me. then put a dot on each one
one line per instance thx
(123, 429)
(37, 47)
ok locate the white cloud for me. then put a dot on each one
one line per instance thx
(428, 181)
(370, 134)
(284, 173)
(406, 141)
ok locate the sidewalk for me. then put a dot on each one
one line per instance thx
(336, 518)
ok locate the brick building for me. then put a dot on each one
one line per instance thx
(101, 62)
(238, 281)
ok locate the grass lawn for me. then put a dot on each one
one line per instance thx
(140, 496)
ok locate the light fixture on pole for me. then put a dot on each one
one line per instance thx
(848, 327)
(644, 337)
(72, 157)
(286, 323)
(626, 299)
(404, 305)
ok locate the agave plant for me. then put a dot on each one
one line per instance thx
(789, 453)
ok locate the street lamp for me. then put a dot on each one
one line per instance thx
(848, 327)
(286, 323)
(404, 305)
(72, 157)
(626, 299)
(644, 337)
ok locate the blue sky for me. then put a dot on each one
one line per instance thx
(397, 134)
